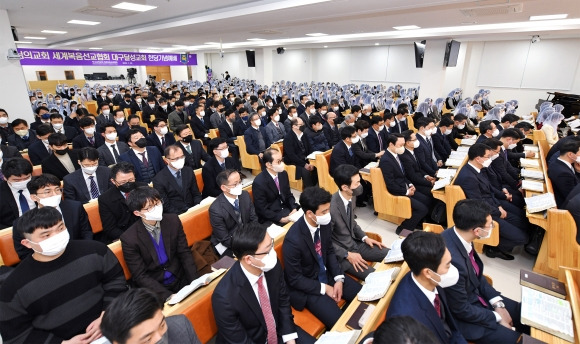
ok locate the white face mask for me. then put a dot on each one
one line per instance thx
(354, 140)
(120, 120)
(277, 118)
(236, 191)
(269, 261)
(155, 214)
(278, 168)
(428, 132)
(152, 105)
(323, 112)
(3, 120)
(447, 132)
(364, 135)
(258, 122)
(163, 131)
(90, 131)
(416, 144)
(21, 133)
(20, 185)
(53, 245)
(448, 279)
(323, 220)
(400, 150)
(270, 104)
(381, 127)
(178, 164)
(263, 113)
(52, 201)
(512, 146)
(186, 104)
(164, 107)
(57, 126)
(495, 156)
(106, 112)
(495, 132)
(312, 111)
(111, 136)
(461, 126)
(280, 111)
(489, 231)
(224, 153)
(486, 163)
(89, 170)
(393, 124)
(335, 108)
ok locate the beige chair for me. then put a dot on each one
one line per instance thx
(249, 161)
(391, 208)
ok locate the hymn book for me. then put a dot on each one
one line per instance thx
(377, 283)
(193, 286)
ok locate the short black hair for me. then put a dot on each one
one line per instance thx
(484, 126)
(18, 121)
(459, 117)
(570, 146)
(423, 250)
(509, 118)
(127, 311)
(407, 134)
(361, 125)
(104, 127)
(470, 213)
(55, 115)
(268, 155)
(222, 177)
(314, 120)
(376, 119)
(130, 133)
(524, 125)
(512, 133)
(38, 218)
(403, 330)
(44, 129)
(493, 143)
(16, 167)
(86, 122)
(477, 151)
(313, 197)
(41, 181)
(446, 122)
(343, 175)
(180, 128)
(57, 139)
(122, 167)
(393, 138)
(355, 108)
(308, 103)
(37, 110)
(423, 122)
(88, 153)
(214, 144)
(157, 121)
(347, 132)
(246, 241)
(142, 195)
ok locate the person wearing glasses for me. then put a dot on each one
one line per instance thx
(46, 192)
(155, 247)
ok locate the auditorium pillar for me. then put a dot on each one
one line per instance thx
(433, 73)
(264, 69)
(198, 72)
(13, 89)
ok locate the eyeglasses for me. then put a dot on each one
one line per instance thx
(148, 209)
(235, 185)
(125, 182)
(56, 191)
(269, 249)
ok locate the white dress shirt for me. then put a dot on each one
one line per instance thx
(88, 182)
(26, 194)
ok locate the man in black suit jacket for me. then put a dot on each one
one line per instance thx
(160, 137)
(256, 137)
(487, 129)
(149, 109)
(142, 242)
(220, 161)
(398, 184)
(7, 153)
(343, 152)
(87, 138)
(315, 278)
(230, 211)
(115, 214)
(439, 137)
(90, 181)
(572, 204)
(62, 161)
(192, 149)
(422, 181)
(39, 149)
(46, 192)
(400, 121)
(273, 199)
(244, 311)
(200, 124)
(296, 149)
(563, 171)
(512, 221)
(428, 157)
(481, 313)
(229, 130)
(22, 137)
(377, 137)
(330, 129)
(58, 126)
(112, 149)
(13, 191)
(163, 110)
(176, 183)
(147, 160)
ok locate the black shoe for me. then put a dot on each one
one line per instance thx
(494, 252)
(376, 213)
(361, 204)
(533, 246)
(398, 230)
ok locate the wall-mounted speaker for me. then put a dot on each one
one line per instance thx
(251, 57)
(280, 50)
(14, 33)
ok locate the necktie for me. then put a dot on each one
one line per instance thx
(188, 148)
(94, 188)
(350, 151)
(91, 140)
(1, 174)
(267, 312)
(318, 247)
(127, 195)
(49, 150)
(145, 162)
(155, 233)
(432, 149)
(348, 209)
(400, 165)
(476, 268)
(115, 153)
(437, 304)
(505, 154)
(237, 205)
(163, 142)
(277, 183)
(223, 166)
(202, 121)
(178, 178)
(380, 141)
(23, 202)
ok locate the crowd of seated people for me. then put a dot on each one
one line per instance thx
(136, 157)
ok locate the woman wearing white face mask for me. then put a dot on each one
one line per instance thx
(153, 266)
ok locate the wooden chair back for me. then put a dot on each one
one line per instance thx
(391, 208)
(322, 169)
(573, 288)
(36, 170)
(196, 224)
(295, 184)
(118, 251)
(8, 255)
(91, 107)
(92, 209)
(249, 161)
(213, 133)
(199, 179)
(538, 135)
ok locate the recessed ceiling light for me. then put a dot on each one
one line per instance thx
(53, 31)
(256, 39)
(95, 48)
(129, 6)
(549, 17)
(316, 34)
(326, 46)
(34, 37)
(22, 42)
(83, 22)
(211, 43)
(406, 27)
(376, 43)
(179, 46)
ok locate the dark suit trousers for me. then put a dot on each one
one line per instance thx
(502, 334)
(304, 337)
(420, 205)
(308, 178)
(513, 230)
(370, 254)
(325, 309)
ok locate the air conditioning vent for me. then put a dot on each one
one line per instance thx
(492, 10)
(267, 32)
(104, 12)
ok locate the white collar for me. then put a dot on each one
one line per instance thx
(253, 279)
(231, 200)
(410, 151)
(566, 162)
(312, 229)
(465, 244)
(428, 293)
(477, 169)
(274, 176)
(344, 200)
(395, 155)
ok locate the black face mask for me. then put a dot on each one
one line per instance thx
(141, 143)
(302, 128)
(187, 139)
(127, 187)
(135, 126)
(61, 151)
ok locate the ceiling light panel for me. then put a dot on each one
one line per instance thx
(549, 17)
(129, 6)
(54, 31)
(83, 22)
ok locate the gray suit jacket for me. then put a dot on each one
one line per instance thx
(180, 330)
(106, 158)
(175, 119)
(224, 221)
(273, 133)
(345, 231)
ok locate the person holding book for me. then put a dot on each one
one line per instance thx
(251, 302)
(420, 293)
(482, 314)
(155, 248)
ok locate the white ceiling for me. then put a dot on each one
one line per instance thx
(194, 22)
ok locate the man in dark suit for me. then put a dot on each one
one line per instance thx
(420, 294)
(22, 137)
(192, 149)
(251, 301)
(6, 154)
(90, 181)
(87, 138)
(105, 115)
(422, 181)
(352, 246)
(301, 108)
(46, 192)
(330, 129)
(111, 150)
(220, 161)
(429, 159)
(137, 314)
(5, 127)
(230, 211)
(58, 126)
(40, 149)
(296, 149)
(314, 276)
(273, 199)
(160, 137)
(572, 204)
(137, 104)
(400, 121)
(178, 117)
(481, 313)
(377, 136)
(229, 130)
(563, 171)
(14, 195)
(62, 161)
(439, 137)
(155, 247)
(163, 110)
(512, 221)
(115, 214)
(509, 174)
(487, 129)
(343, 153)
(200, 124)
(256, 137)
(149, 110)
(243, 120)
(398, 184)
(147, 160)
(176, 183)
